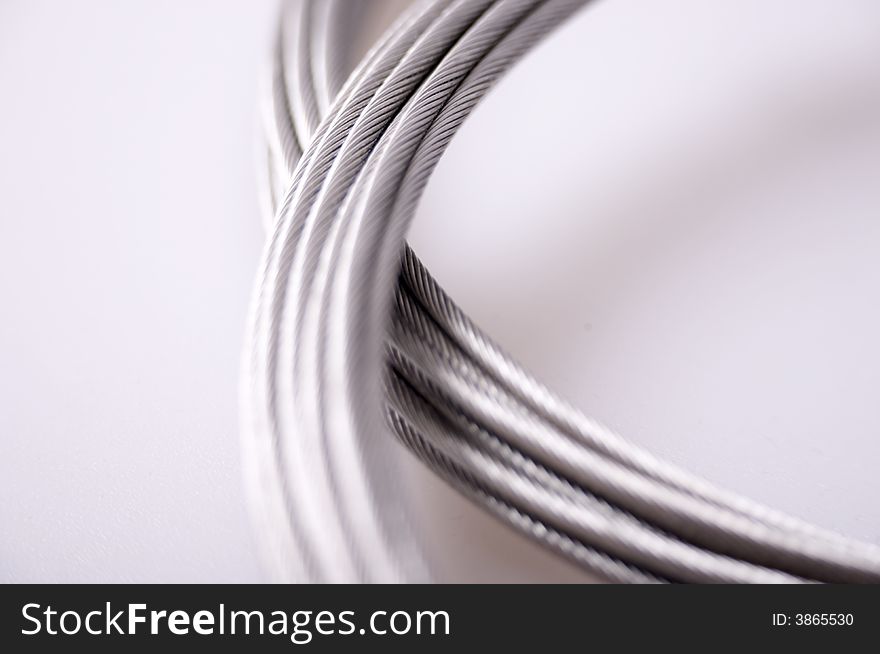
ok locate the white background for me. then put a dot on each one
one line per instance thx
(670, 212)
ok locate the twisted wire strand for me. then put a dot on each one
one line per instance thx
(759, 540)
(281, 521)
(458, 392)
(321, 337)
(361, 294)
(358, 456)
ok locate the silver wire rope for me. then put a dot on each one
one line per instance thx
(349, 336)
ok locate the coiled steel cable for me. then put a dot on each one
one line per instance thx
(320, 464)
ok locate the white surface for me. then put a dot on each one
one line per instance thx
(669, 212)
(128, 245)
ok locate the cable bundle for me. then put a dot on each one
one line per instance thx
(349, 334)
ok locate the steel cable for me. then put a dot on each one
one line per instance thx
(344, 178)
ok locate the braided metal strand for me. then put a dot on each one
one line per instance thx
(322, 473)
